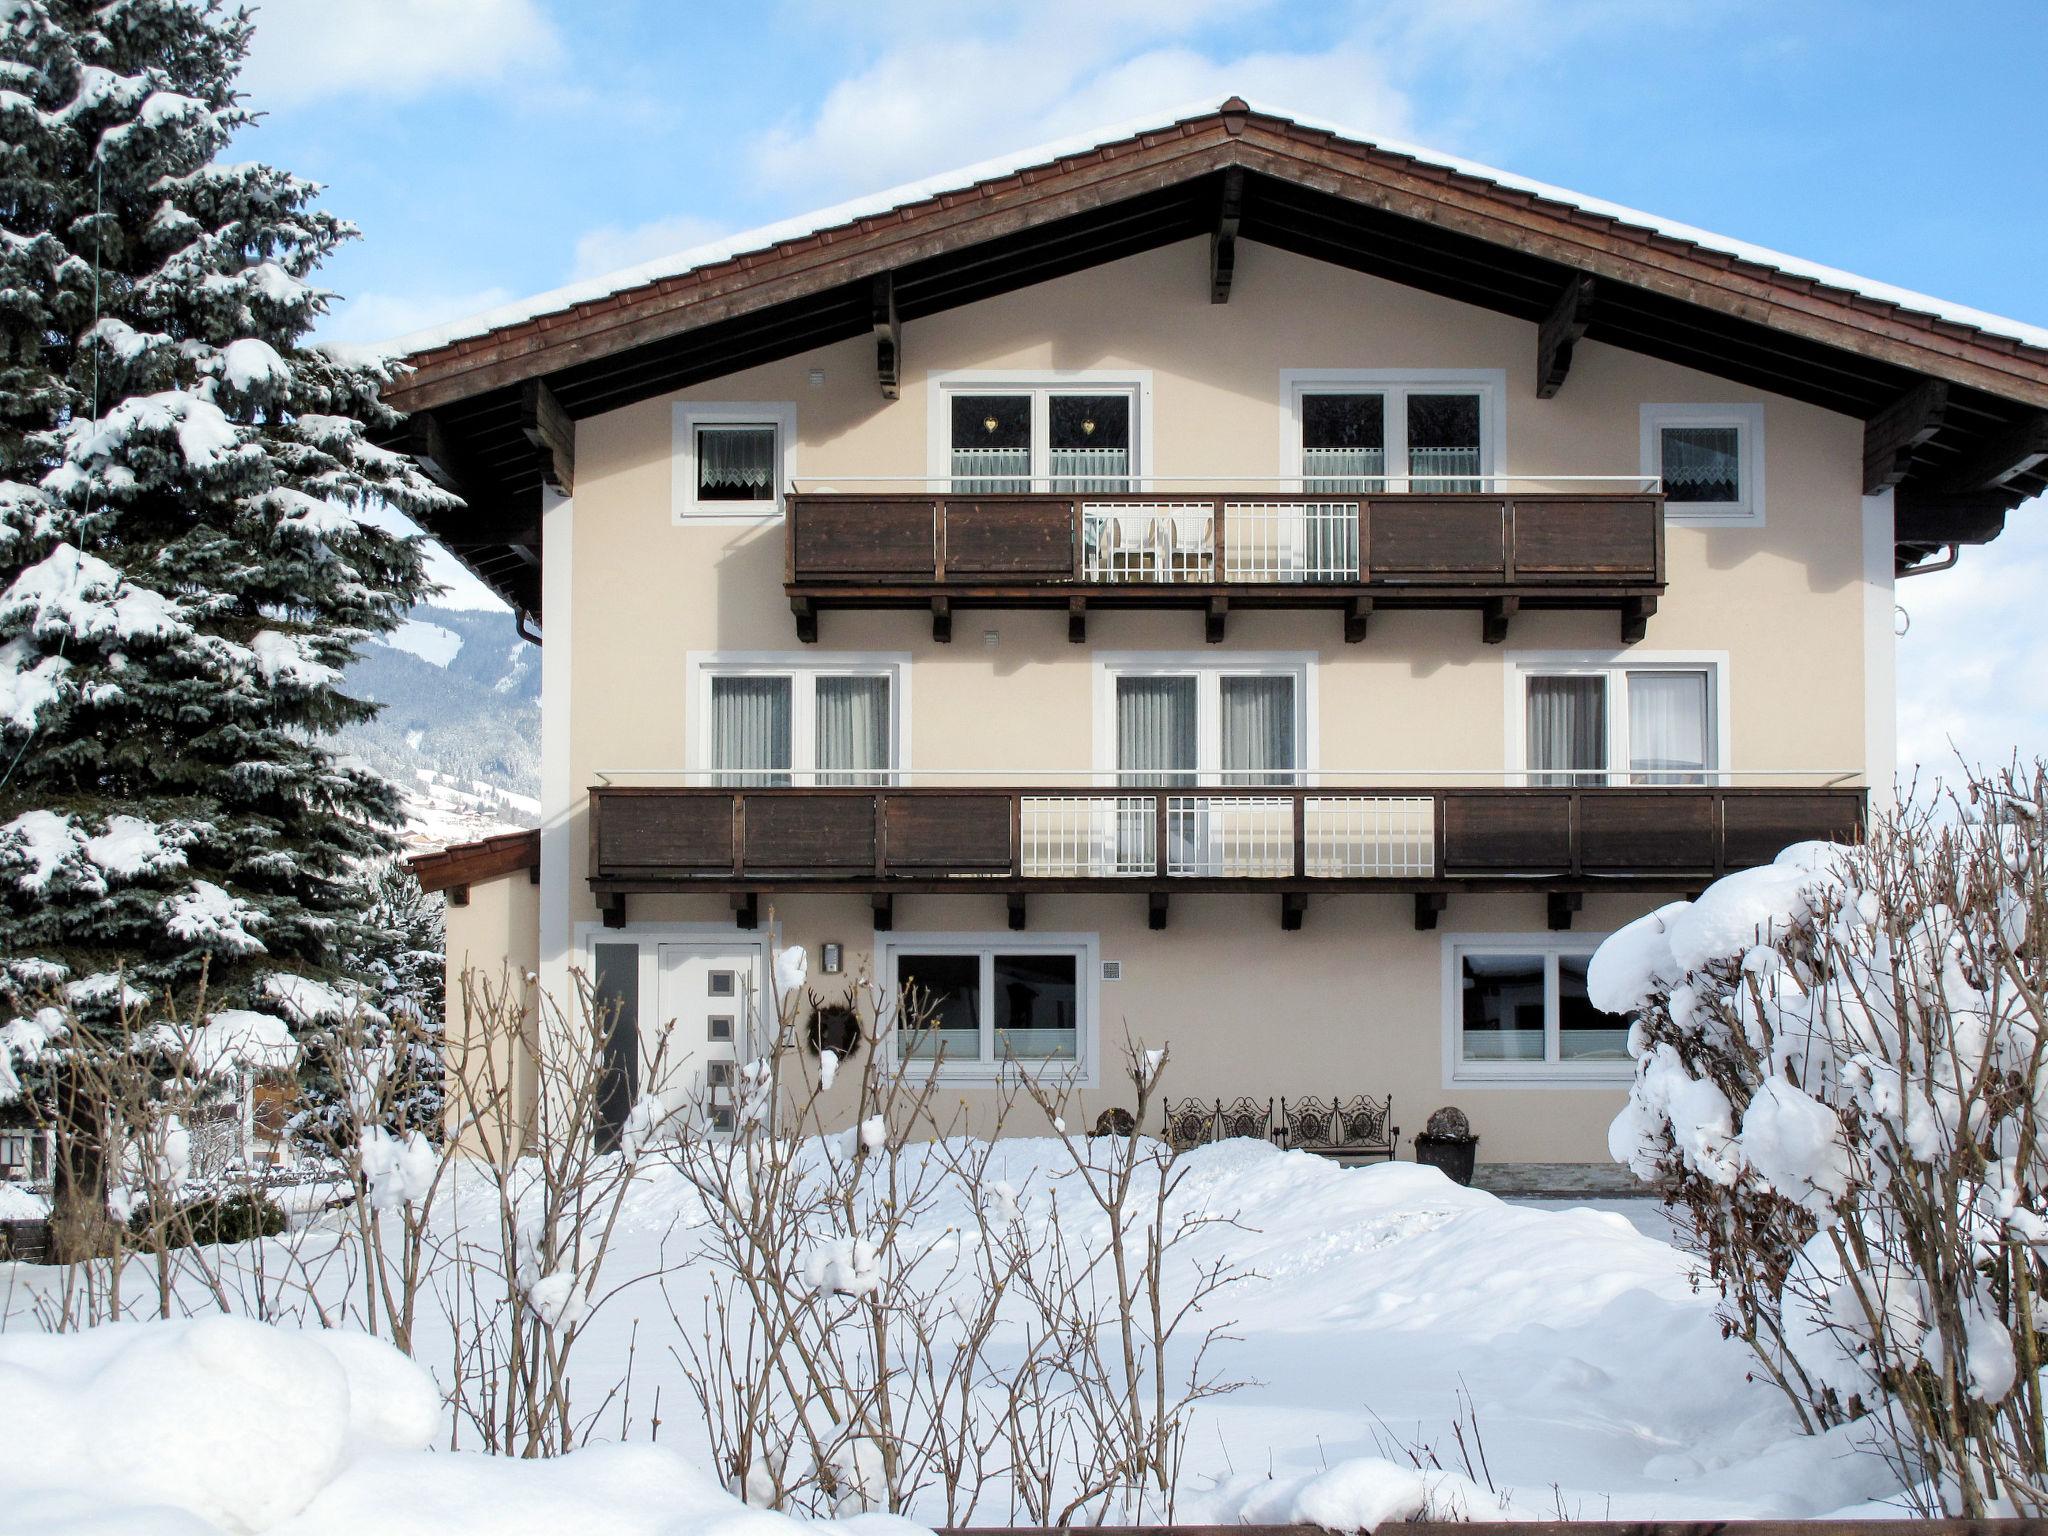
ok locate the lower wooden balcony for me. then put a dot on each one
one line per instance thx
(1287, 839)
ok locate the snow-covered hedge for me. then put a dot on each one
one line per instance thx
(1839, 1075)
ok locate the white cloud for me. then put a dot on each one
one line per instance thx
(382, 316)
(1973, 666)
(307, 49)
(610, 247)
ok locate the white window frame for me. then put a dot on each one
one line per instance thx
(1748, 421)
(1614, 665)
(942, 384)
(1208, 669)
(1548, 1073)
(689, 415)
(1086, 948)
(803, 668)
(1395, 385)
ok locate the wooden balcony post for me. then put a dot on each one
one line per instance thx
(1300, 832)
(1219, 553)
(1159, 842)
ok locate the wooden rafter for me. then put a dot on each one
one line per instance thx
(2005, 457)
(1896, 433)
(1560, 332)
(1223, 239)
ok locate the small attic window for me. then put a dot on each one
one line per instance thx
(736, 462)
(1710, 460)
(732, 462)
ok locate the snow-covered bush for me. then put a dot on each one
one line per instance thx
(1840, 1075)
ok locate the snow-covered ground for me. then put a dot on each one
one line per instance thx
(1385, 1304)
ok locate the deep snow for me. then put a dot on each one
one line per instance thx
(1386, 1303)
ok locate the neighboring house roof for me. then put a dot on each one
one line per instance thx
(1956, 397)
(467, 864)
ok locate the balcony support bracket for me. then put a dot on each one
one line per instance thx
(612, 905)
(746, 910)
(1560, 332)
(806, 616)
(885, 913)
(1077, 621)
(1493, 628)
(1429, 906)
(1017, 912)
(1357, 614)
(1213, 621)
(1155, 911)
(942, 620)
(1559, 907)
(1635, 618)
(1292, 905)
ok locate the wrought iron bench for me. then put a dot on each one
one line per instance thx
(1196, 1122)
(1358, 1129)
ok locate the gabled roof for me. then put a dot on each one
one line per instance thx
(467, 864)
(1956, 397)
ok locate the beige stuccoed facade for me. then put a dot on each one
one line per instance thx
(1793, 614)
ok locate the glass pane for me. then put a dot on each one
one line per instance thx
(1343, 443)
(1036, 1009)
(1155, 730)
(1443, 441)
(853, 730)
(1584, 1032)
(1090, 442)
(1567, 730)
(1502, 1010)
(1667, 727)
(1702, 464)
(750, 730)
(991, 444)
(1258, 730)
(735, 463)
(615, 1016)
(941, 1006)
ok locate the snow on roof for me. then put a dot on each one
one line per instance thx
(725, 248)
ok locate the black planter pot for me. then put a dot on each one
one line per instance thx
(1453, 1154)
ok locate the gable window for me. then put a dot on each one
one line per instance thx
(1009, 439)
(1370, 433)
(976, 1003)
(733, 462)
(1709, 458)
(1517, 1010)
(1591, 725)
(772, 724)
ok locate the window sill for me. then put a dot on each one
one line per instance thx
(1544, 1075)
(739, 516)
(1707, 514)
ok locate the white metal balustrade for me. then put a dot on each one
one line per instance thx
(1148, 541)
(1093, 837)
(1229, 836)
(1369, 836)
(1290, 541)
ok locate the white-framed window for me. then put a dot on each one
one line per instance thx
(1516, 1012)
(1578, 721)
(1170, 718)
(1370, 431)
(1010, 433)
(770, 719)
(1710, 458)
(733, 460)
(980, 1004)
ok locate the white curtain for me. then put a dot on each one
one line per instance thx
(1567, 730)
(853, 730)
(1258, 730)
(1085, 470)
(1352, 471)
(1155, 730)
(743, 456)
(750, 730)
(991, 471)
(1667, 727)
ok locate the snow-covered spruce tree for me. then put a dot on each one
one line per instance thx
(1842, 1080)
(184, 564)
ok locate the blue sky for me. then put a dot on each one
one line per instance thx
(493, 148)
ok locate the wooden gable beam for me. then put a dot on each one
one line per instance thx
(888, 336)
(1925, 517)
(1561, 331)
(552, 431)
(430, 446)
(2013, 453)
(1894, 433)
(1223, 239)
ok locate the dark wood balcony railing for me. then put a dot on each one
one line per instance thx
(1276, 838)
(1496, 553)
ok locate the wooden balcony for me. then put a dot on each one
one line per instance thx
(1286, 839)
(1213, 552)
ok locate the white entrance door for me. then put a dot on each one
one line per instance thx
(707, 995)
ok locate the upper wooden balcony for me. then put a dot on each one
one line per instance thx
(1289, 839)
(1213, 550)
